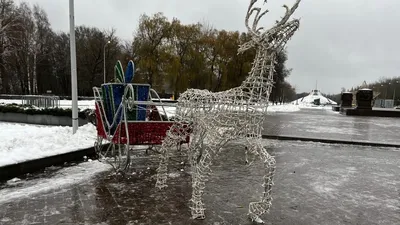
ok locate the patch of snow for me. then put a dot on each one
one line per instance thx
(11, 101)
(169, 110)
(62, 179)
(23, 142)
(5, 219)
(13, 181)
(174, 175)
(82, 104)
(283, 108)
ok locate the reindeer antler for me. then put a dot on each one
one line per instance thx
(288, 13)
(254, 30)
(249, 12)
(257, 19)
(277, 35)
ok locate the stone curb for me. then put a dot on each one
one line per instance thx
(330, 141)
(31, 166)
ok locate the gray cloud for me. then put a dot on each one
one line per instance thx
(340, 43)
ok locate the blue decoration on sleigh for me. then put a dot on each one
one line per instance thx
(113, 93)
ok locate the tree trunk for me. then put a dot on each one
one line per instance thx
(4, 81)
(219, 80)
(1, 75)
(29, 76)
(34, 77)
(212, 72)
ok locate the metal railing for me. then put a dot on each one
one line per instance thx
(43, 101)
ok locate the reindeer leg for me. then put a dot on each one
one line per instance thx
(200, 172)
(256, 209)
(171, 140)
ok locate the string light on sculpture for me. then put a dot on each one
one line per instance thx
(219, 117)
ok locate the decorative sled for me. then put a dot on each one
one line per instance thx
(127, 116)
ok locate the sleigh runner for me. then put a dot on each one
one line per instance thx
(126, 115)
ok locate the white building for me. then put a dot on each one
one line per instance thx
(312, 98)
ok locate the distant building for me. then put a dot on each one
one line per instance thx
(314, 98)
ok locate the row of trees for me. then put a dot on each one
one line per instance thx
(387, 88)
(34, 58)
(168, 55)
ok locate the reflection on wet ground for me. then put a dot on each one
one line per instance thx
(320, 123)
(315, 184)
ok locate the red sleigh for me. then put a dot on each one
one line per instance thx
(127, 116)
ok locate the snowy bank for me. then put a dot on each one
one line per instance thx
(23, 142)
(283, 108)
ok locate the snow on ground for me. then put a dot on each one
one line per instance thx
(271, 108)
(283, 108)
(11, 101)
(62, 179)
(170, 110)
(82, 104)
(22, 142)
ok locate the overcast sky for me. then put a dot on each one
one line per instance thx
(340, 43)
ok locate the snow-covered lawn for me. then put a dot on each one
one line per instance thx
(22, 142)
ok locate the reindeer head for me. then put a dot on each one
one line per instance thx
(276, 37)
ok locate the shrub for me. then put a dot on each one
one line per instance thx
(30, 110)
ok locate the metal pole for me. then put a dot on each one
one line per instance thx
(74, 85)
(394, 91)
(104, 61)
(386, 93)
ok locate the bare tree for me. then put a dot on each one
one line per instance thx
(9, 27)
(40, 47)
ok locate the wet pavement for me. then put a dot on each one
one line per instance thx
(315, 184)
(324, 123)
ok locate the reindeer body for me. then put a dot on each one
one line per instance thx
(238, 113)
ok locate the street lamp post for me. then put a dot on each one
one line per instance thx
(74, 83)
(382, 100)
(394, 91)
(104, 60)
(387, 87)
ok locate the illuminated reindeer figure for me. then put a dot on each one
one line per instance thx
(238, 113)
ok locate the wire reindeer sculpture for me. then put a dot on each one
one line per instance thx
(238, 113)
